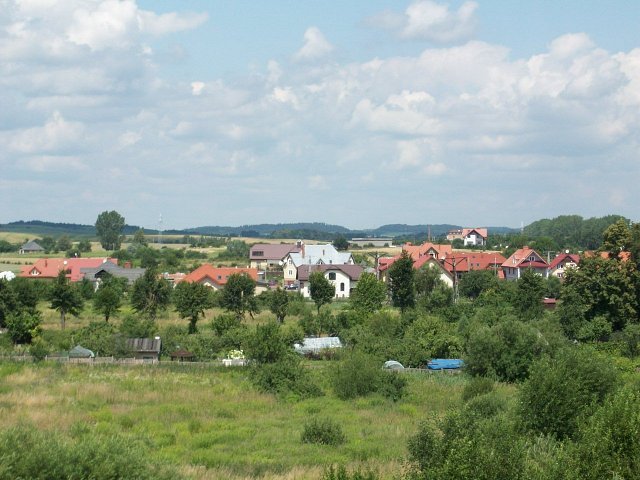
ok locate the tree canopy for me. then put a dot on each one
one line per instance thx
(401, 282)
(321, 289)
(109, 227)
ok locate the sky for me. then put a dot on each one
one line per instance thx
(358, 113)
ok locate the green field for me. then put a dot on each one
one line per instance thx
(212, 423)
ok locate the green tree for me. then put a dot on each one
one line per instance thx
(401, 282)
(108, 299)
(616, 238)
(473, 283)
(369, 295)
(279, 304)
(84, 245)
(426, 279)
(560, 390)
(150, 294)
(8, 301)
(63, 244)
(109, 227)
(139, 238)
(191, 299)
(530, 292)
(23, 326)
(237, 296)
(65, 298)
(341, 243)
(321, 289)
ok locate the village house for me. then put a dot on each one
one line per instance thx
(31, 247)
(524, 258)
(343, 277)
(270, 256)
(97, 274)
(474, 237)
(50, 267)
(464, 262)
(559, 265)
(418, 253)
(216, 278)
(322, 254)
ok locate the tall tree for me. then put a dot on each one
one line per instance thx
(530, 292)
(65, 298)
(401, 282)
(369, 294)
(8, 301)
(341, 243)
(238, 295)
(139, 238)
(150, 294)
(109, 227)
(108, 299)
(279, 304)
(616, 238)
(321, 289)
(191, 299)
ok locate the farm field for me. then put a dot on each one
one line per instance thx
(211, 423)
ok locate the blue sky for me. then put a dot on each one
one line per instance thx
(359, 113)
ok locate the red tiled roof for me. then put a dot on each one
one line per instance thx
(571, 257)
(218, 275)
(480, 231)
(521, 256)
(417, 251)
(50, 267)
(624, 255)
(467, 261)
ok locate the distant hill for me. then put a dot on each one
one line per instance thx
(309, 230)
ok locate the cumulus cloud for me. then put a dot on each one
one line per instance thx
(431, 21)
(462, 118)
(315, 46)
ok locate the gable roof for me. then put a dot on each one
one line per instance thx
(432, 262)
(272, 251)
(351, 271)
(322, 253)
(31, 246)
(571, 257)
(427, 248)
(219, 275)
(520, 259)
(480, 231)
(467, 261)
(131, 274)
(50, 267)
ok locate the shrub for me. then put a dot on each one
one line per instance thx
(22, 326)
(477, 386)
(341, 473)
(392, 385)
(560, 391)
(323, 431)
(285, 376)
(357, 375)
(225, 322)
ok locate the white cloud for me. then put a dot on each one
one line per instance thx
(315, 46)
(56, 134)
(431, 21)
(197, 88)
(318, 182)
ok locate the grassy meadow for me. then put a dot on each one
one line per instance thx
(211, 423)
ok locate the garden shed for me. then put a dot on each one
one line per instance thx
(313, 345)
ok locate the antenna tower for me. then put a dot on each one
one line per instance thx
(160, 230)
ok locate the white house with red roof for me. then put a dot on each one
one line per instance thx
(559, 265)
(464, 262)
(419, 254)
(524, 258)
(475, 237)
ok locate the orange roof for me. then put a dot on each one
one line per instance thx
(480, 231)
(624, 255)
(521, 257)
(571, 257)
(218, 275)
(417, 251)
(467, 261)
(50, 267)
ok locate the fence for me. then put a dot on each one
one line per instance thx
(121, 361)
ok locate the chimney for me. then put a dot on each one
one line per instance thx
(302, 249)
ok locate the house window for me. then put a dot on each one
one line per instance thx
(532, 258)
(290, 272)
(332, 275)
(342, 286)
(258, 253)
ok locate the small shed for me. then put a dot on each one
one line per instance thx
(80, 352)
(182, 355)
(312, 345)
(31, 247)
(145, 348)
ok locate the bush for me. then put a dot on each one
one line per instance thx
(323, 431)
(221, 324)
(477, 386)
(23, 326)
(560, 391)
(285, 376)
(340, 473)
(392, 385)
(357, 375)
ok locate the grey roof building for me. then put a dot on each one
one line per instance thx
(145, 348)
(31, 247)
(96, 273)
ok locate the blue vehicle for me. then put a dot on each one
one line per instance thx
(445, 364)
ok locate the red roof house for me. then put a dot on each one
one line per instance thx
(521, 259)
(562, 262)
(50, 267)
(216, 278)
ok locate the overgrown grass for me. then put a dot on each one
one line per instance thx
(212, 423)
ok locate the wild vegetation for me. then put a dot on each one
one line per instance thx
(544, 394)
